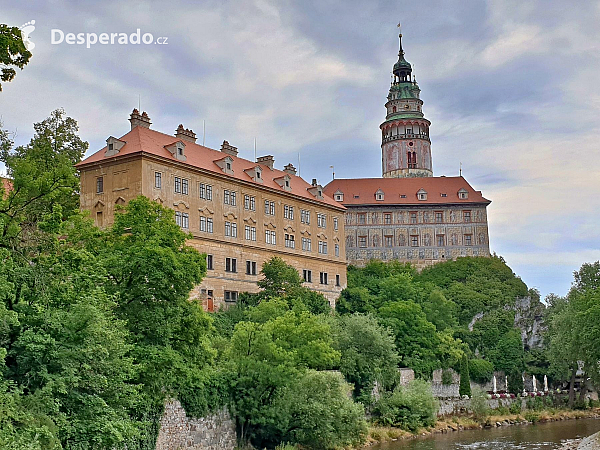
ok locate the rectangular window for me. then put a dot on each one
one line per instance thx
(185, 220)
(413, 217)
(362, 219)
(269, 208)
(250, 202)
(337, 280)
(250, 233)
(307, 275)
(205, 191)
(178, 218)
(250, 267)
(323, 277)
(209, 262)
(306, 244)
(323, 247)
(290, 241)
(414, 241)
(157, 180)
(321, 220)
(206, 224)
(99, 220)
(441, 241)
(335, 223)
(305, 216)
(468, 239)
(270, 237)
(387, 218)
(184, 186)
(231, 296)
(288, 212)
(230, 265)
(177, 185)
(99, 185)
(466, 216)
(439, 217)
(362, 241)
(228, 197)
(231, 229)
(337, 250)
(389, 241)
(233, 198)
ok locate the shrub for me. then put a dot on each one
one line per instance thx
(480, 370)
(479, 405)
(408, 407)
(532, 416)
(446, 377)
(465, 381)
(515, 407)
(316, 411)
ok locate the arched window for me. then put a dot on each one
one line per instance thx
(412, 160)
(394, 109)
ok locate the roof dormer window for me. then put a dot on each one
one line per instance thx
(463, 194)
(422, 194)
(177, 149)
(338, 196)
(379, 196)
(228, 165)
(113, 145)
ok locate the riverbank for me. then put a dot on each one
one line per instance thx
(450, 424)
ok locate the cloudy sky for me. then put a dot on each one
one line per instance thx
(511, 88)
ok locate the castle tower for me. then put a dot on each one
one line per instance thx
(405, 144)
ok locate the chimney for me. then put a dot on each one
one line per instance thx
(139, 120)
(185, 134)
(290, 169)
(268, 161)
(314, 182)
(229, 149)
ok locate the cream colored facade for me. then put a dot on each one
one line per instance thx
(129, 175)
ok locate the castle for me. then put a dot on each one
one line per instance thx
(409, 215)
(242, 212)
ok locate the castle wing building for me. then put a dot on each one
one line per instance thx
(409, 215)
(240, 212)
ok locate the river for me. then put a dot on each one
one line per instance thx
(544, 436)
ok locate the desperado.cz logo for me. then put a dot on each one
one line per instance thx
(89, 39)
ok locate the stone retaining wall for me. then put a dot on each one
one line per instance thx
(463, 405)
(179, 432)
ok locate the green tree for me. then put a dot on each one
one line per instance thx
(480, 370)
(12, 52)
(368, 353)
(43, 176)
(416, 339)
(409, 407)
(316, 412)
(281, 280)
(465, 379)
(265, 357)
(440, 311)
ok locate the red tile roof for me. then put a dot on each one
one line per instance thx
(148, 141)
(361, 191)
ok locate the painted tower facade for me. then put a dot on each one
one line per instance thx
(405, 144)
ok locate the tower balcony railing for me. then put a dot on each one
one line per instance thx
(405, 136)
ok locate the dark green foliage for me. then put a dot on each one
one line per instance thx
(508, 354)
(409, 407)
(415, 336)
(475, 284)
(315, 411)
(515, 381)
(446, 377)
(368, 353)
(480, 370)
(465, 380)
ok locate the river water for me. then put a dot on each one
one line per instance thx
(542, 436)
